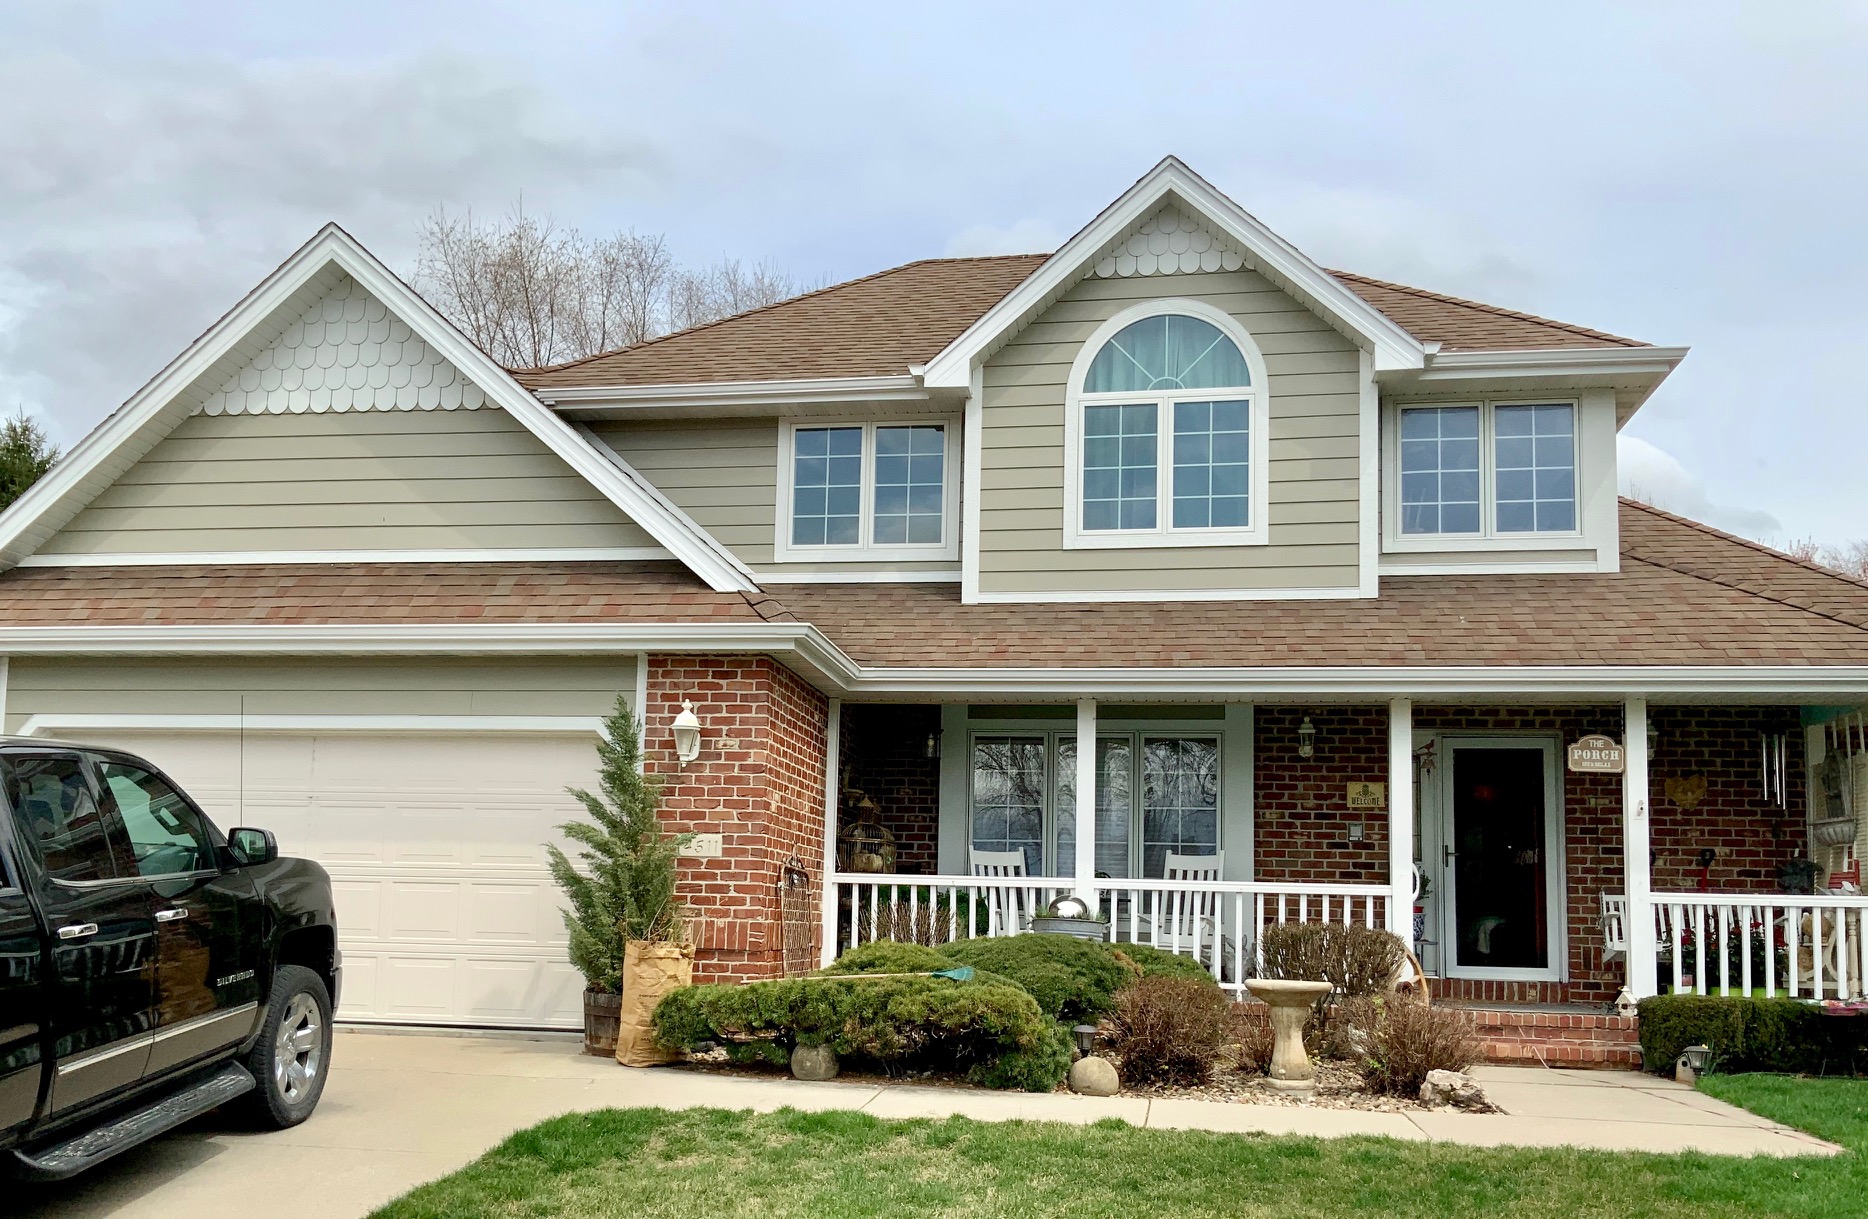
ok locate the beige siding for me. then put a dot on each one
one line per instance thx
(724, 474)
(356, 480)
(584, 686)
(1315, 384)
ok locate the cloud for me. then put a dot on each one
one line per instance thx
(1028, 236)
(139, 200)
(1649, 473)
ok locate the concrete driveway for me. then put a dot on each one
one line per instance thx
(404, 1108)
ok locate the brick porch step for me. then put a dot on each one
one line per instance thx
(1556, 1036)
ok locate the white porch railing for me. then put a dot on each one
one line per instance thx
(1215, 922)
(1806, 946)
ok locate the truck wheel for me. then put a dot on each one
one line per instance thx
(293, 1053)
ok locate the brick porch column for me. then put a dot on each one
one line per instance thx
(760, 784)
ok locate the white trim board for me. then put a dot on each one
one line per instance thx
(599, 401)
(53, 721)
(821, 660)
(241, 558)
(128, 434)
(1270, 255)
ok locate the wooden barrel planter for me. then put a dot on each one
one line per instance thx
(602, 1018)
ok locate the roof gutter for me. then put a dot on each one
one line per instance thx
(806, 649)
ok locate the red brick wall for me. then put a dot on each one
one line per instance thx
(1302, 813)
(759, 782)
(884, 752)
(1302, 808)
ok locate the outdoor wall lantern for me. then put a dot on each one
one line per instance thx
(932, 749)
(687, 733)
(1306, 738)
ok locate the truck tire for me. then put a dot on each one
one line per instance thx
(293, 1053)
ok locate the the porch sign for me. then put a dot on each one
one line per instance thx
(1368, 796)
(1597, 755)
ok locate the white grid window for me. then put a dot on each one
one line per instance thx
(911, 473)
(1440, 470)
(1119, 448)
(827, 486)
(1535, 463)
(861, 492)
(1212, 464)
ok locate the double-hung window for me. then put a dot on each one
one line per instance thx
(1486, 470)
(868, 490)
(1168, 432)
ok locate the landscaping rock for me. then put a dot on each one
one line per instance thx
(1452, 1088)
(815, 1063)
(1094, 1076)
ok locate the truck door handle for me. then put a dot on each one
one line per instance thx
(169, 916)
(77, 931)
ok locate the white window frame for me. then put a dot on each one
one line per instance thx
(864, 549)
(1488, 537)
(1257, 531)
(1138, 736)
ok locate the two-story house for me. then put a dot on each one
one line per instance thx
(1169, 569)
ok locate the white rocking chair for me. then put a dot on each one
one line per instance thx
(1007, 910)
(1191, 919)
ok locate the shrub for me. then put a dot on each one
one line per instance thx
(888, 957)
(1152, 962)
(1356, 961)
(1248, 1029)
(1072, 980)
(1167, 1030)
(1750, 1034)
(991, 1030)
(1399, 1042)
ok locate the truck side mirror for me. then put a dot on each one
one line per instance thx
(252, 847)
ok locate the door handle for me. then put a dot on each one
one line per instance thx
(77, 931)
(169, 916)
(1449, 854)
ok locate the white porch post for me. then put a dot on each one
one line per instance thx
(1639, 918)
(1401, 819)
(833, 762)
(1086, 801)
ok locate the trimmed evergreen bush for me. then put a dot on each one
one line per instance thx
(1073, 980)
(991, 1031)
(1752, 1034)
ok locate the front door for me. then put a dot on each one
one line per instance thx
(1501, 860)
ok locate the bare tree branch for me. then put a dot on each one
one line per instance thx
(531, 292)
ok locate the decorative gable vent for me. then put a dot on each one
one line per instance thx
(345, 353)
(1170, 241)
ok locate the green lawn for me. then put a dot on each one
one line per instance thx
(711, 1164)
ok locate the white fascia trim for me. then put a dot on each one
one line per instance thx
(1557, 564)
(880, 576)
(701, 553)
(1154, 595)
(1552, 362)
(1393, 347)
(813, 391)
(666, 505)
(1242, 684)
(1369, 532)
(243, 558)
(54, 722)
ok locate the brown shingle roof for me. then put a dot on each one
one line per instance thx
(881, 324)
(871, 327)
(1686, 595)
(369, 594)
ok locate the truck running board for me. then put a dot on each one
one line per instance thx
(56, 1161)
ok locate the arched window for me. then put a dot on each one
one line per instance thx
(1166, 426)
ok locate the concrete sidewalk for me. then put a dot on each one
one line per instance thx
(401, 1109)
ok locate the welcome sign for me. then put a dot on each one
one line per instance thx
(1598, 755)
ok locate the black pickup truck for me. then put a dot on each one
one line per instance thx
(151, 968)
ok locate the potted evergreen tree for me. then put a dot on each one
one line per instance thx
(627, 931)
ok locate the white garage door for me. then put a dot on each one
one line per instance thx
(445, 911)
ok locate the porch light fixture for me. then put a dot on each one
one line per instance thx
(687, 733)
(932, 749)
(1306, 738)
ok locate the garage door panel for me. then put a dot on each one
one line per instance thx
(446, 911)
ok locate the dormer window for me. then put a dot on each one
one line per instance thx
(1167, 431)
(1488, 469)
(861, 491)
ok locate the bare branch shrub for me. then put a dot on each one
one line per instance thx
(1353, 959)
(1394, 1045)
(1167, 1030)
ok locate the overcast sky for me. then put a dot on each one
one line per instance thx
(1692, 174)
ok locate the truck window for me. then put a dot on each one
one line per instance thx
(166, 834)
(58, 818)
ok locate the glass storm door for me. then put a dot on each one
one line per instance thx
(1501, 848)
